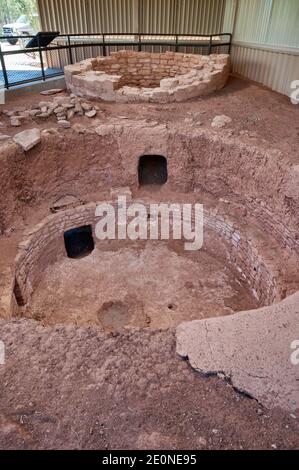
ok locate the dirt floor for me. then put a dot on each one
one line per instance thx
(70, 387)
(275, 122)
(92, 390)
(145, 292)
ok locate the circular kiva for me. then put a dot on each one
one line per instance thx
(128, 76)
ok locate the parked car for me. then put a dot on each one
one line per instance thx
(21, 27)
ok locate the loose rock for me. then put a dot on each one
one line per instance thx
(15, 122)
(64, 123)
(53, 91)
(91, 114)
(28, 139)
(221, 121)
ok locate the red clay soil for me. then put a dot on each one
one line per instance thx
(66, 387)
(79, 388)
(258, 114)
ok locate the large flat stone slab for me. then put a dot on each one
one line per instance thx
(252, 349)
(28, 139)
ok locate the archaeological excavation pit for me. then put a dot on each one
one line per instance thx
(103, 320)
(124, 125)
(65, 274)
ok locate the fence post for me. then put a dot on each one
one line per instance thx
(139, 43)
(104, 46)
(230, 44)
(6, 83)
(176, 43)
(41, 59)
(70, 49)
(210, 45)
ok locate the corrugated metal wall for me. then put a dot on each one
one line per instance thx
(181, 16)
(266, 42)
(66, 16)
(268, 22)
(87, 16)
(271, 68)
(126, 16)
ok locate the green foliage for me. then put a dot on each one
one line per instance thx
(11, 10)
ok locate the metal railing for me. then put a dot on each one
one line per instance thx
(20, 65)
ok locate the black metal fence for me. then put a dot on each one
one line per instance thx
(19, 64)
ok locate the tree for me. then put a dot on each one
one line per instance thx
(10, 10)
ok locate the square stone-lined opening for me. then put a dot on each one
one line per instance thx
(79, 242)
(152, 169)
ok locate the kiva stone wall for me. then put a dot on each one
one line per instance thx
(45, 244)
(128, 76)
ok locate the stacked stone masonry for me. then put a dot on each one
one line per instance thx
(45, 245)
(128, 76)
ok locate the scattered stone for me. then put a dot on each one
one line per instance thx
(91, 114)
(8, 113)
(28, 139)
(19, 109)
(86, 106)
(68, 105)
(79, 128)
(34, 112)
(104, 129)
(43, 104)
(4, 137)
(42, 115)
(70, 114)
(15, 122)
(78, 109)
(50, 130)
(53, 91)
(21, 117)
(59, 110)
(64, 123)
(61, 117)
(221, 121)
